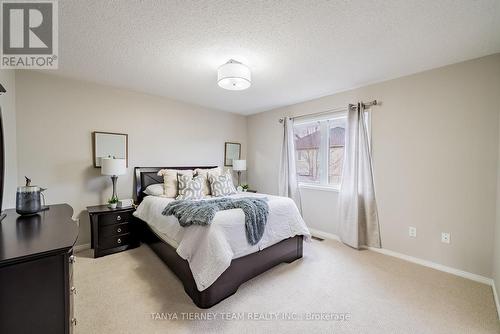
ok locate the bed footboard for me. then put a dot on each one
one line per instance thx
(240, 270)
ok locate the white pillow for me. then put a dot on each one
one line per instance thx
(222, 185)
(190, 187)
(206, 173)
(154, 189)
(170, 180)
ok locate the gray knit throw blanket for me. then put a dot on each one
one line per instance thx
(190, 212)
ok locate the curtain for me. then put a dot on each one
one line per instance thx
(287, 179)
(359, 224)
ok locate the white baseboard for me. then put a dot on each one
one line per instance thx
(325, 235)
(426, 263)
(79, 248)
(434, 265)
(495, 296)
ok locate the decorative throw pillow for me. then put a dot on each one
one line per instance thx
(206, 173)
(170, 180)
(190, 187)
(154, 189)
(222, 185)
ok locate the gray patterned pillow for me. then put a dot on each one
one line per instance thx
(222, 185)
(190, 187)
(205, 173)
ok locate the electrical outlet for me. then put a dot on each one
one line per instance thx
(445, 237)
(412, 232)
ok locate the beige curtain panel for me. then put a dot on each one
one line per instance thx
(359, 224)
(287, 178)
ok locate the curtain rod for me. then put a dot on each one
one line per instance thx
(365, 105)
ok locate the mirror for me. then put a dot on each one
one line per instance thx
(106, 144)
(232, 151)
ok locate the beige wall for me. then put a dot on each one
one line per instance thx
(55, 118)
(496, 248)
(435, 138)
(435, 146)
(8, 107)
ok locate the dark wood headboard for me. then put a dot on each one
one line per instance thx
(146, 176)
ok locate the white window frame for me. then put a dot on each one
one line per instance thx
(324, 153)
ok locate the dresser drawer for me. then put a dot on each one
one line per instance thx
(115, 229)
(115, 218)
(72, 293)
(115, 241)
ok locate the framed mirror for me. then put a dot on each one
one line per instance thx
(109, 144)
(232, 151)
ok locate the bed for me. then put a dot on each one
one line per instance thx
(208, 289)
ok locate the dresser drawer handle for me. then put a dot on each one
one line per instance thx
(72, 259)
(73, 290)
(119, 241)
(118, 218)
(119, 230)
(73, 321)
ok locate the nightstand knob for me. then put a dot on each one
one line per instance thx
(73, 321)
(119, 230)
(72, 259)
(119, 241)
(73, 290)
(118, 218)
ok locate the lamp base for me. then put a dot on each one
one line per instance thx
(114, 178)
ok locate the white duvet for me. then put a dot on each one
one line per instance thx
(210, 249)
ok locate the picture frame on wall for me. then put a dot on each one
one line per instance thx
(232, 151)
(109, 144)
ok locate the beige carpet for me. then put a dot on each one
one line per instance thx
(119, 293)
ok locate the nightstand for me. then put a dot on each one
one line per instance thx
(112, 230)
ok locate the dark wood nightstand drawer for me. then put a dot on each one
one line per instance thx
(115, 218)
(115, 229)
(116, 241)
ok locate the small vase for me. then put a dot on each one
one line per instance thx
(112, 205)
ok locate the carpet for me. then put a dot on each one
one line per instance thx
(332, 289)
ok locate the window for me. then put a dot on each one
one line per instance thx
(307, 151)
(319, 150)
(336, 140)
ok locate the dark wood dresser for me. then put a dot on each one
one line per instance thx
(36, 274)
(113, 230)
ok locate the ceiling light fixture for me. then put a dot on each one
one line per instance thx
(234, 75)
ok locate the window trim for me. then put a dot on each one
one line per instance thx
(312, 119)
(324, 178)
(323, 120)
(317, 186)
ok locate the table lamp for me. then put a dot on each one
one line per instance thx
(113, 167)
(239, 166)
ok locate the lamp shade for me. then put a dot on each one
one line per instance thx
(239, 165)
(234, 75)
(110, 166)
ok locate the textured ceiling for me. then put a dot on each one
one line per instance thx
(297, 50)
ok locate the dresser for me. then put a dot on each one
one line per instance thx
(112, 230)
(36, 271)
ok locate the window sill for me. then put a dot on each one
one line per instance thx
(319, 187)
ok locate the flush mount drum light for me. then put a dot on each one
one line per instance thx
(234, 75)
